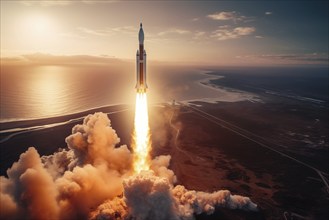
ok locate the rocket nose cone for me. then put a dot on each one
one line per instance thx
(141, 35)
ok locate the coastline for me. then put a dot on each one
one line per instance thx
(35, 122)
(225, 94)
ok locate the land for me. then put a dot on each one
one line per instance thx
(218, 146)
(234, 146)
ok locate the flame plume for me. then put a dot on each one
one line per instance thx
(141, 136)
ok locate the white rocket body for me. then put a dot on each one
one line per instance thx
(141, 85)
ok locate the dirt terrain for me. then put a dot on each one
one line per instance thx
(211, 155)
(207, 156)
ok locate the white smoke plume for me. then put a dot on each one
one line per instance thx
(93, 179)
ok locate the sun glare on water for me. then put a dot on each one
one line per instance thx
(141, 138)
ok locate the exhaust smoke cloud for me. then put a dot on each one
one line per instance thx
(96, 178)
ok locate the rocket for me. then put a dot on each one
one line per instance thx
(141, 85)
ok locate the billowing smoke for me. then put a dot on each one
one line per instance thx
(93, 179)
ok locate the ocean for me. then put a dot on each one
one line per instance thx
(41, 91)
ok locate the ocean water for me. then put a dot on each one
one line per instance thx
(44, 91)
(304, 83)
(29, 92)
(38, 91)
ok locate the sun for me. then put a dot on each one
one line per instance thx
(38, 30)
(39, 25)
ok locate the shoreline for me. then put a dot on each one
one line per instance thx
(9, 120)
(37, 122)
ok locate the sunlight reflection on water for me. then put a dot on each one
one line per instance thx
(47, 90)
(44, 91)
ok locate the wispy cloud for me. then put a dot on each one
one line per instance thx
(199, 35)
(71, 35)
(47, 3)
(100, 32)
(98, 1)
(126, 29)
(268, 13)
(174, 31)
(226, 32)
(307, 58)
(226, 16)
(109, 31)
(49, 59)
(241, 31)
(259, 37)
(311, 57)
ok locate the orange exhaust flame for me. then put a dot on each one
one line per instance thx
(141, 138)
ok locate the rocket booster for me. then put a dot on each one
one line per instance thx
(141, 85)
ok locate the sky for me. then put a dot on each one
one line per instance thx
(193, 32)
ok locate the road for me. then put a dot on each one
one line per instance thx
(177, 131)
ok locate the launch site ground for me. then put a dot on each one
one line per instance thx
(210, 154)
(265, 151)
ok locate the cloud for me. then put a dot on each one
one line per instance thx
(93, 178)
(49, 59)
(100, 32)
(174, 31)
(223, 16)
(198, 35)
(190, 202)
(226, 16)
(226, 32)
(126, 29)
(98, 1)
(73, 181)
(109, 31)
(268, 13)
(310, 58)
(72, 35)
(149, 197)
(242, 31)
(23, 184)
(314, 57)
(94, 142)
(47, 3)
(259, 37)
